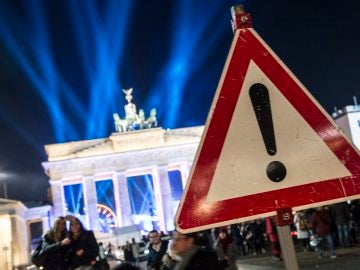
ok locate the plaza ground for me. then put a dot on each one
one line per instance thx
(348, 259)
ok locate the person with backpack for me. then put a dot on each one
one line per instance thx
(302, 229)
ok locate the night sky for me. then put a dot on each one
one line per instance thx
(63, 65)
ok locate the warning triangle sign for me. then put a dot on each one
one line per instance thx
(267, 145)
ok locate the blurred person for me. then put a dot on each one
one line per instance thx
(102, 257)
(101, 251)
(145, 239)
(260, 236)
(341, 215)
(244, 232)
(321, 226)
(55, 246)
(355, 220)
(271, 231)
(254, 236)
(302, 229)
(135, 249)
(205, 240)
(109, 250)
(226, 250)
(157, 249)
(84, 247)
(238, 238)
(128, 253)
(184, 253)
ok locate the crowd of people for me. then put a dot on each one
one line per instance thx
(329, 226)
(215, 249)
(317, 229)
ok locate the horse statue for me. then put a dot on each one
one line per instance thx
(151, 121)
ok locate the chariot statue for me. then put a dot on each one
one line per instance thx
(134, 120)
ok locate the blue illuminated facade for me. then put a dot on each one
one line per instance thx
(106, 204)
(144, 209)
(142, 199)
(74, 199)
(175, 184)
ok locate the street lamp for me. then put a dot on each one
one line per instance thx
(3, 177)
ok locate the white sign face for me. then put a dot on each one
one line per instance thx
(243, 159)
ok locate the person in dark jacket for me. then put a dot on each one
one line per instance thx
(157, 250)
(321, 226)
(226, 250)
(341, 215)
(128, 254)
(185, 254)
(55, 245)
(84, 247)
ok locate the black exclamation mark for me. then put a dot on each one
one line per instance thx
(260, 100)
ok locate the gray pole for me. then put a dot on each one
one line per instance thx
(5, 190)
(287, 248)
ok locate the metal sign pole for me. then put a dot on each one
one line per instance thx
(284, 219)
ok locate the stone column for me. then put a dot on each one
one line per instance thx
(6, 241)
(162, 190)
(57, 198)
(122, 199)
(45, 223)
(90, 202)
(185, 172)
(18, 251)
